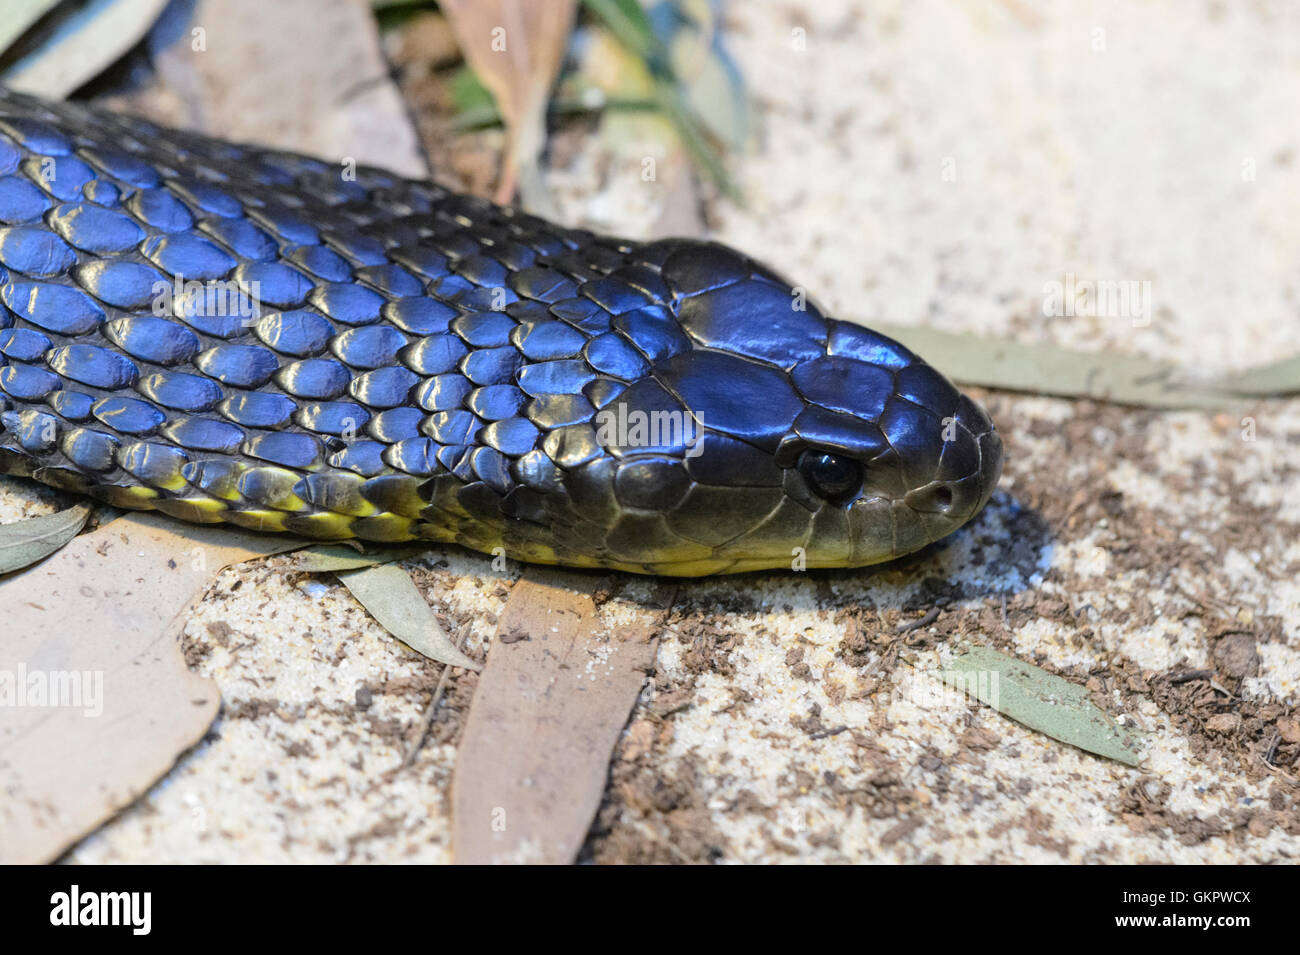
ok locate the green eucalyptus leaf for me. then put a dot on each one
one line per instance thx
(23, 543)
(392, 598)
(1265, 381)
(1048, 370)
(470, 96)
(629, 23)
(334, 558)
(1043, 702)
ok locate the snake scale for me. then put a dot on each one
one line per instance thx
(231, 333)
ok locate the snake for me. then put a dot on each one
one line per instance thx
(233, 333)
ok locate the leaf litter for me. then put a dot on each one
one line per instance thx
(100, 700)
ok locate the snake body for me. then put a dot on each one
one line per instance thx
(230, 333)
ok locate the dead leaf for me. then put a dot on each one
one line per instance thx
(101, 702)
(516, 48)
(321, 86)
(546, 714)
(1224, 723)
(681, 214)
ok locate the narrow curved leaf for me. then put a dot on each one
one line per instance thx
(547, 712)
(1047, 370)
(1265, 381)
(81, 43)
(676, 96)
(23, 543)
(516, 49)
(712, 82)
(18, 16)
(1042, 701)
(391, 597)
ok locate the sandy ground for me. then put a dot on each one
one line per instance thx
(922, 162)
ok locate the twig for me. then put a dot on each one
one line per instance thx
(1277, 771)
(930, 617)
(822, 734)
(432, 708)
(1272, 748)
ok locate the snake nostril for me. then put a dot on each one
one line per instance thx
(933, 498)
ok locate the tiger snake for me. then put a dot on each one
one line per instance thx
(226, 332)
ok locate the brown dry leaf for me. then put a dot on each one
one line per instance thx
(548, 709)
(304, 75)
(681, 214)
(95, 629)
(515, 47)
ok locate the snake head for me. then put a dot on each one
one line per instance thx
(887, 451)
(815, 439)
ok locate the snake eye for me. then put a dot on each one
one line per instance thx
(833, 477)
